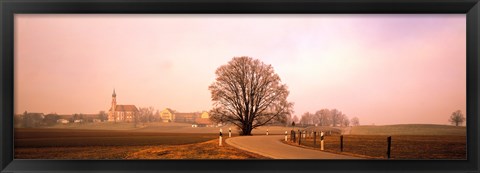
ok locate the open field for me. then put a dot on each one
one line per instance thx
(409, 141)
(156, 134)
(164, 128)
(180, 140)
(409, 129)
(82, 138)
(123, 141)
(203, 150)
(327, 130)
(402, 147)
(126, 144)
(97, 126)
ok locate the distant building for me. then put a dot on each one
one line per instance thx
(204, 121)
(63, 121)
(167, 115)
(204, 115)
(195, 118)
(121, 113)
(186, 117)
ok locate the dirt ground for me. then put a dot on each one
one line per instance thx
(202, 150)
(121, 144)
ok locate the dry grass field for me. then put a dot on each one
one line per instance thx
(85, 138)
(408, 142)
(204, 150)
(402, 147)
(181, 141)
(104, 144)
(409, 129)
(165, 128)
(97, 126)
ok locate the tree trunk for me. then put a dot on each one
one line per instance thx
(246, 130)
(456, 123)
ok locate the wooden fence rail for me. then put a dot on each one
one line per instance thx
(302, 137)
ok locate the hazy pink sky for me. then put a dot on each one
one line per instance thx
(383, 69)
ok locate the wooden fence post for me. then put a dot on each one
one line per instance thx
(314, 138)
(341, 143)
(299, 137)
(292, 138)
(220, 138)
(389, 141)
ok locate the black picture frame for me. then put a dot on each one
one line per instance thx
(10, 7)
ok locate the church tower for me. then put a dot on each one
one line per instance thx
(114, 101)
(121, 113)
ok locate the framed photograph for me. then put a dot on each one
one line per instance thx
(239, 86)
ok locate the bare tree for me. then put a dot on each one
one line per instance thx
(346, 122)
(51, 119)
(144, 114)
(156, 116)
(336, 117)
(340, 119)
(289, 120)
(295, 119)
(323, 116)
(102, 116)
(32, 119)
(248, 94)
(306, 119)
(355, 121)
(457, 118)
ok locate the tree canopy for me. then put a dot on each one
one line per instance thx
(457, 118)
(249, 94)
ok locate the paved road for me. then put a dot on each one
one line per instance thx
(271, 146)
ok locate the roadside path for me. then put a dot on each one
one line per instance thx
(271, 146)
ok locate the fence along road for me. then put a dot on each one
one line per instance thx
(271, 146)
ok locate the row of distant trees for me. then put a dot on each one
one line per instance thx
(146, 114)
(30, 120)
(326, 117)
(334, 117)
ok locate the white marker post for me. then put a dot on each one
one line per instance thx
(220, 138)
(229, 132)
(321, 141)
(267, 132)
(286, 136)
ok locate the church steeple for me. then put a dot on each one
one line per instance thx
(114, 101)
